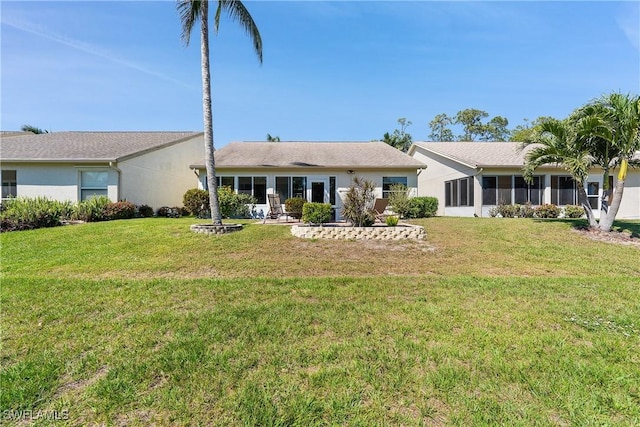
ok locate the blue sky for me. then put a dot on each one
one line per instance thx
(337, 70)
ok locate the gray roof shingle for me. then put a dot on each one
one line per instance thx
(480, 154)
(85, 146)
(313, 154)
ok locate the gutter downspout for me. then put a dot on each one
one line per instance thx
(112, 165)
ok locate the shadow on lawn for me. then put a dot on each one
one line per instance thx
(629, 226)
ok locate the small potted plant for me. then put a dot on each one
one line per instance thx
(293, 206)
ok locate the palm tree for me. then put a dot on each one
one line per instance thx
(272, 138)
(621, 116)
(190, 12)
(562, 142)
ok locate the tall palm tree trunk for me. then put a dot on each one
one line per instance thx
(606, 223)
(209, 149)
(584, 202)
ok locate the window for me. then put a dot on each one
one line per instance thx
(458, 192)
(389, 181)
(226, 181)
(254, 185)
(593, 188)
(528, 193)
(332, 190)
(563, 190)
(489, 190)
(93, 183)
(291, 186)
(9, 184)
(504, 190)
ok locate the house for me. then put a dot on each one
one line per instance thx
(149, 168)
(317, 171)
(472, 177)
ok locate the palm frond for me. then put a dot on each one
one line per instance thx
(189, 12)
(239, 13)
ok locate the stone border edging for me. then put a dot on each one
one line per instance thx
(215, 229)
(400, 232)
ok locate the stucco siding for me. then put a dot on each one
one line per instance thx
(56, 181)
(343, 180)
(160, 177)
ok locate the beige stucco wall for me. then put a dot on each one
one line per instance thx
(56, 181)
(160, 177)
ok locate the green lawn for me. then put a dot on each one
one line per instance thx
(492, 321)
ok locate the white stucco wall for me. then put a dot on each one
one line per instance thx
(161, 177)
(440, 169)
(343, 180)
(56, 181)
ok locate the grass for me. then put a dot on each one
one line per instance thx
(510, 322)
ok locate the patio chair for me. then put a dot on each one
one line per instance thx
(275, 208)
(379, 206)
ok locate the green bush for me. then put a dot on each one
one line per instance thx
(119, 210)
(399, 200)
(392, 220)
(547, 211)
(573, 211)
(24, 213)
(91, 210)
(294, 206)
(169, 212)
(527, 211)
(234, 205)
(316, 213)
(145, 211)
(358, 203)
(196, 202)
(508, 211)
(423, 207)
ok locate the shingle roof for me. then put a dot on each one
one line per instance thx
(480, 154)
(85, 146)
(313, 154)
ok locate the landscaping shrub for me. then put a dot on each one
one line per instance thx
(294, 206)
(233, 205)
(547, 211)
(508, 211)
(358, 203)
(169, 212)
(573, 211)
(145, 211)
(25, 213)
(316, 213)
(196, 202)
(527, 211)
(91, 210)
(423, 207)
(399, 200)
(119, 210)
(392, 220)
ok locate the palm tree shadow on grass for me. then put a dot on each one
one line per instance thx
(632, 227)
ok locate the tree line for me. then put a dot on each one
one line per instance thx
(474, 125)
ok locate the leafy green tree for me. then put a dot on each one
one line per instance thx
(471, 121)
(192, 11)
(400, 139)
(524, 133)
(496, 130)
(33, 129)
(439, 128)
(272, 138)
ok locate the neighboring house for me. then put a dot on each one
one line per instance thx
(472, 177)
(149, 168)
(317, 171)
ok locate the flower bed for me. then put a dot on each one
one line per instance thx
(344, 232)
(215, 229)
